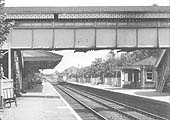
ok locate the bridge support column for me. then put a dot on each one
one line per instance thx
(142, 77)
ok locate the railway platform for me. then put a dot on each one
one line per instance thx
(40, 103)
(151, 94)
(148, 100)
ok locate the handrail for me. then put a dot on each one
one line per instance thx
(164, 73)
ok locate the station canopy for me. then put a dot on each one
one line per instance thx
(40, 59)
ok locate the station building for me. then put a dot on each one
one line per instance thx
(141, 74)
(27, 63)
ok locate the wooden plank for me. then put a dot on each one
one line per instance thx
(8, 90)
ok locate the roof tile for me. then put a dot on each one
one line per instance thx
(87, 9)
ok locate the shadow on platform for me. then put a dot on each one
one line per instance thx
(36, 88)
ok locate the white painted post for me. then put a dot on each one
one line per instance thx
(143, 76)
(1, 87)
(9, 56)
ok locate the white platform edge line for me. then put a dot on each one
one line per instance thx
(72, 110)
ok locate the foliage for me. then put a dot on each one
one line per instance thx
(105, 68)
(5, 27)
(134, 56)
(97, 67)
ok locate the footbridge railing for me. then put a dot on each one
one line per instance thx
(163, 70)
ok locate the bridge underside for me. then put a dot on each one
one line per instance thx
(111, 36)
(89, 27)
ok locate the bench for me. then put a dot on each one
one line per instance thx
(9, 96)
(8, 92)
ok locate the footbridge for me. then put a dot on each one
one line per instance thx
(89, 27)
(92, 28)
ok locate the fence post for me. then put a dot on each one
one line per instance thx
(1, 86)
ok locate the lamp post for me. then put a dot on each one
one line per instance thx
(9, 58)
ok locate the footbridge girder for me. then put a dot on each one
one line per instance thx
(89, 27)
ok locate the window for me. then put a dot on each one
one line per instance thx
(149, 75)
(119, 74)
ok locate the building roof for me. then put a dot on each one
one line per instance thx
(144, 62)
(71, 70)
(87, 9)
(40, 55)
(41, 59)
(129, 67)
(147, 61)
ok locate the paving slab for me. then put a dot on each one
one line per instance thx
(145, 93)
(46, 104)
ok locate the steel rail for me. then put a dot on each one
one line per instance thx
(116, 110)
(86, 106)
(121, 104)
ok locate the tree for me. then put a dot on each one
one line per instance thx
(129, 58)
(106, 68)
(5, 27)
(97, 67)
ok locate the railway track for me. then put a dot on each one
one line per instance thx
(85, 112)
(154, 107)
(107, 109)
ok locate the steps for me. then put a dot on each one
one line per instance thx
(163, 69)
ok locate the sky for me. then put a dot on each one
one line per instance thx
(82, 59)
(79, 59)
